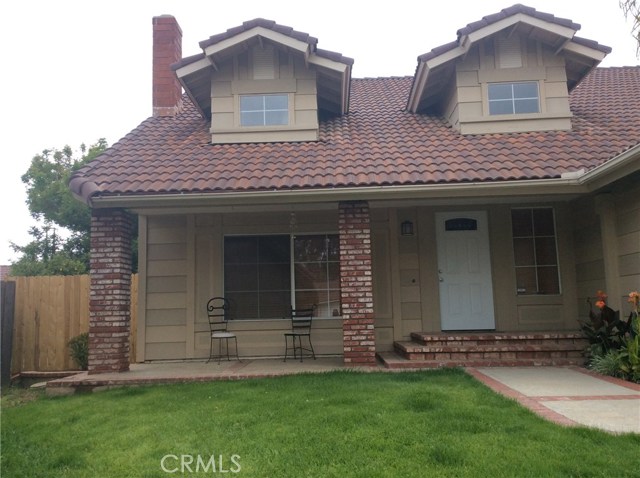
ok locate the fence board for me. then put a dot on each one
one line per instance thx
(49, 311)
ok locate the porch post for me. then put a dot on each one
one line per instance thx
(356, 286)
(110, 291)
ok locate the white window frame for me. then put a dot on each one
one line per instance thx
(513, 99)
(264, 110)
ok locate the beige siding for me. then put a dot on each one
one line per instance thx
(627, 202)
(166, 287)
(292, 77)
(467, 110)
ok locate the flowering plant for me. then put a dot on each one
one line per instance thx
(605, 331)
(615, 344)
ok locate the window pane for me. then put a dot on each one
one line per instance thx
(310, 248)
(500, 91)
(535, 251)
(502, 107)
(275, 277)
(521, 222)
(276, 102)
(525, 90)
(543, 222)
(334, 303)
(252, 119)
(240, 249)
(241, 277)
(526, 280)
(252, 103)
(274, 249)
(526, 106)
(546, 251)
(334, 247)
(307, 299)
(257, 276)
(243, 305)
(334, 275)
(311, 275)
(275, 305)
(548, 282)
(276, 117)
(523, 252)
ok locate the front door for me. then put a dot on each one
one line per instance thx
(464, 271)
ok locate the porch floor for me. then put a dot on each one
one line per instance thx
(194, 371)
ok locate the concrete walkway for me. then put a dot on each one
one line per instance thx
(569, 396)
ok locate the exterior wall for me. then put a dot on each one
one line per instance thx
(291, 76)
(468, 111)
(184, 268)
(627, 204)
(165, 287)
(607, 245)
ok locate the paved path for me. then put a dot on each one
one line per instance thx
(569, 395)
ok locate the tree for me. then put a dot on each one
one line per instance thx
(631, 9)
(51, 203)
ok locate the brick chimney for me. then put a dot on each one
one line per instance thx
(167, 49)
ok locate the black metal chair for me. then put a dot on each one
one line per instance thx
(217, 310)
(301, 320)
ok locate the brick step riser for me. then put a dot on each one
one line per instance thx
(497, 356)
(495, 339)
(484, 363)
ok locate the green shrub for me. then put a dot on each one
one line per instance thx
(79, 350)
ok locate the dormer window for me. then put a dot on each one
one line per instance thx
(513, 98)
(264, 110)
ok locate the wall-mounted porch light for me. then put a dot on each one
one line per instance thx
(406, 228)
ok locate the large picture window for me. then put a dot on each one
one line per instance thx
(264, 110)
(535, 251)
(266, 275)
(513, 98)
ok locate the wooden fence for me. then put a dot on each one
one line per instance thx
(49, 311)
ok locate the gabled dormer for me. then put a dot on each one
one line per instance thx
(264, 82)
(509, 72)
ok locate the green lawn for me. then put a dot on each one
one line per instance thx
(340, 424)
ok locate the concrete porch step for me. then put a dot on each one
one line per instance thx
(392, 360)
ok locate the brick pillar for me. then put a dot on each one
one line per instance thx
(110, 292)
(356, 286)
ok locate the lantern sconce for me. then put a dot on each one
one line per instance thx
(406, 228)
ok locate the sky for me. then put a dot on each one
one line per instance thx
(75, 71)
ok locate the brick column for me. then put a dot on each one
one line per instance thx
(356, 286)
(110, 293)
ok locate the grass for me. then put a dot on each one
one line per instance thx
(341, 424)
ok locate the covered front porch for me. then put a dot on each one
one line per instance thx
(390, 272)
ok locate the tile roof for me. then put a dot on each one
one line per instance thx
(377, 143)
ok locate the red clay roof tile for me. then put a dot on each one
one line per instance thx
(377, 143)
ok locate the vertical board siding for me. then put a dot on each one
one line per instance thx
(50, 311)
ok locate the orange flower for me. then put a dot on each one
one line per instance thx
(601, 304)
(601, 295)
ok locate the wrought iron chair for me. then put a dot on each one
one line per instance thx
(301, 320)
(217, 310)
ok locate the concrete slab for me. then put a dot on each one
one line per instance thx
(619, 416)
(552, 382)
(569, 395)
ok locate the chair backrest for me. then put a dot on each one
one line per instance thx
(217, 309)
(301, 319)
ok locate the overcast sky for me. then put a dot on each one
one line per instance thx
(76, 71)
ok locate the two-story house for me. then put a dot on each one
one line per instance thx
(483, 198)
